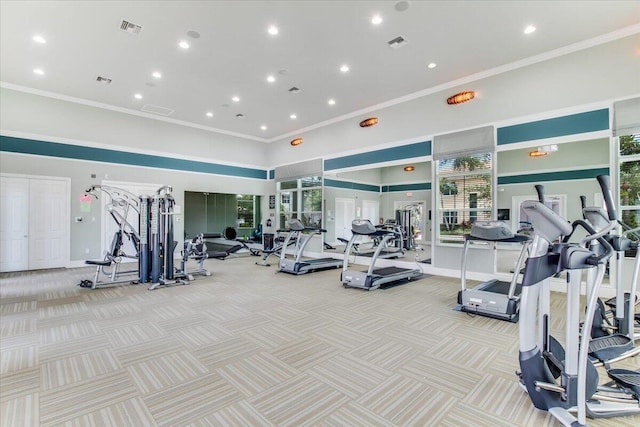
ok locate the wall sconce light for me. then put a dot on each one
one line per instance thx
(409, 168)
(296, 142)
(461, 97)
(543, 151)
(537, 153)
(371, 121)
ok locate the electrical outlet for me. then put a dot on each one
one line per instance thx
(87, 250)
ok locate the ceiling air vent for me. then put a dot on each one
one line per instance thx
(103, 80)
(397, 43)
(294, 89)
(161, 111)
(130, 27)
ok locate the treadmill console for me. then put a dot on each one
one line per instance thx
(491, 230)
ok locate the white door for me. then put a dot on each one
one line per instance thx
(14, 224)
(371, 211)
(345, 213)
(48, 223)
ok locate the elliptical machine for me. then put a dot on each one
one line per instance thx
(542, 357)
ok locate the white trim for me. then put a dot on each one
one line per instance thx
(123, 110)
(600, 134)
(382, 146)
(121, 148)
(5, 153)
(575, 47)
(570, 168)
(341, 179)
(390, 163)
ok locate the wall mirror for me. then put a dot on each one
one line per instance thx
(398, 193)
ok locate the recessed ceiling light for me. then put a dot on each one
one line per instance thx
(138, 96)
(39, 39)
(344, 68)
(432, 65)
(38, 71)
(235, 99)
(263, 127)
(157, 74)
(271, 78)
(331, 101)
(293, 116)
(273, 30)
(209, 114)
(529, 29)
(183, 44)
(376, 20)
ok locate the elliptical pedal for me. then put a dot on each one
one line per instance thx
(610, 346)
(626, 378)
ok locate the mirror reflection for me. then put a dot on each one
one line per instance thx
(392, 196)
(565, 170)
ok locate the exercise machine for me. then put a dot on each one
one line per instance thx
(622, 306)
(119, 206)
(610, 337)
(494, 298)
(156, 240)
(543, 360)
(296, 264)
(373, 277)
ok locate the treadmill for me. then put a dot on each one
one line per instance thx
(494, 298)
(297, 265)
(373, 277)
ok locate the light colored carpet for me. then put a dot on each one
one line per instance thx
(248, 347)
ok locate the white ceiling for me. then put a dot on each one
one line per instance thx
(234, 53)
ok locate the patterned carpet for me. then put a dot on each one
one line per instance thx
(248, 347)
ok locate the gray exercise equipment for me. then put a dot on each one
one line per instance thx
(494, 298)
(543, 360)
(373, 278)
(302, 236)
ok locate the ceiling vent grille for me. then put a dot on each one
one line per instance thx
(397, 43)
(154, 109)
(294, 89)
(130, 27)
(103, 80)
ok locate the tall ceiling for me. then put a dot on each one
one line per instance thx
(233, 53)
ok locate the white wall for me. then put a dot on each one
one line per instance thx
(596, 75)
(92, 126)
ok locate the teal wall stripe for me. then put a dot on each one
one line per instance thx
(351, 185)
(552, 176)
(272, 174)
(418, 149)
(67, 151)
(590, 121)
(406, 187)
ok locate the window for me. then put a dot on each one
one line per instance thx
(301, 198)
(464, 194)
(629, 179)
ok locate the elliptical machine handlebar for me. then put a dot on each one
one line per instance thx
(605, 185)
(540, 191)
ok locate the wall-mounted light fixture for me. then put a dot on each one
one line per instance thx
(536, 153)
(296, 142)
(409, 168)
(543, 151)
(461, 97)
(371, 121)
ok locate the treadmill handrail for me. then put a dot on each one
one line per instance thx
(374, 258)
